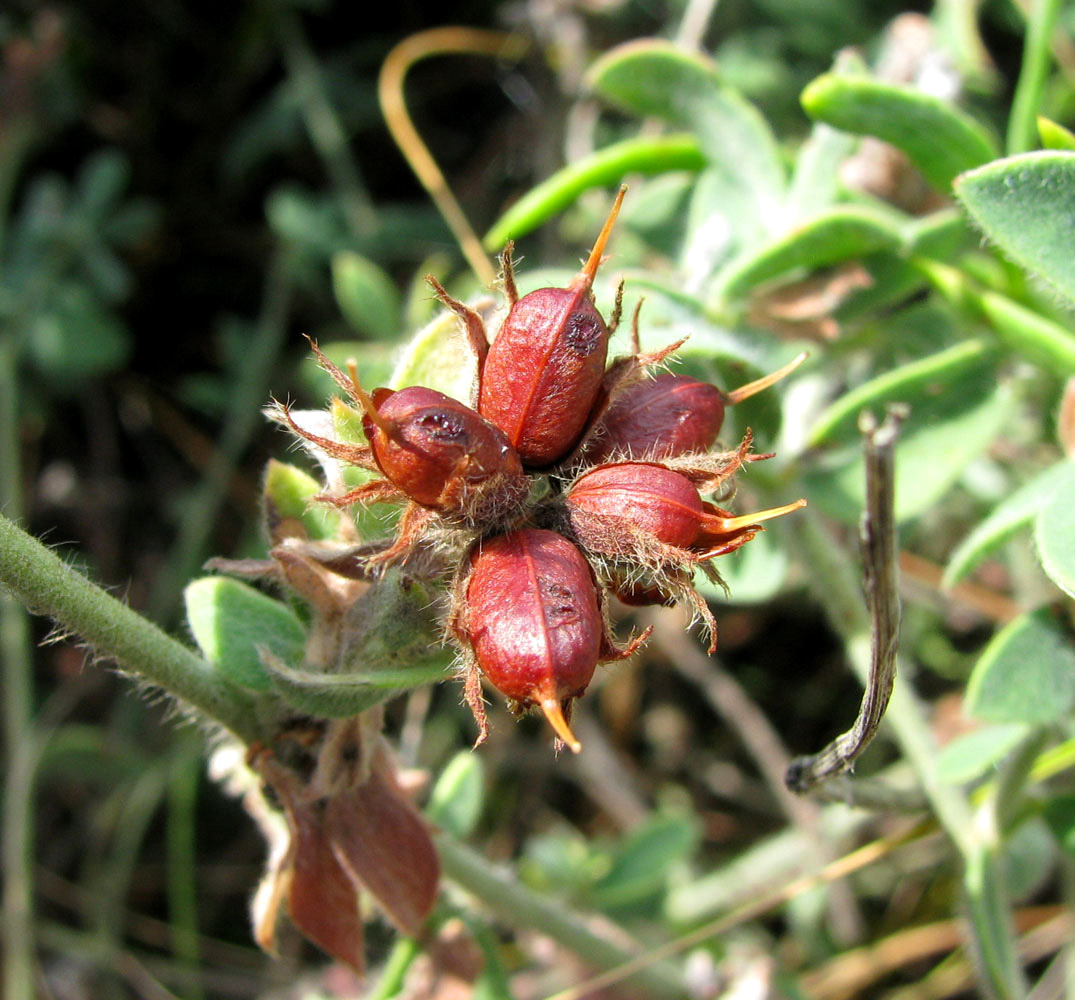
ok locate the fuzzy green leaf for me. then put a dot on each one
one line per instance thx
(910, 383)
(1026, 205)
(941, 140)
(642, 863)
(458, 797)
(837, 234)
(439, 357)
(1026, 674)
(947, 428)
(339, 696)
(658, 78)
(230, 620)
(1011, 514)
(1053, 532)
(970, 756)
(366, 295)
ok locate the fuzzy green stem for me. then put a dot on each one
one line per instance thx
(248, 394)
(522, 907)
(1026, 103)
(18, 812)
(45, 584)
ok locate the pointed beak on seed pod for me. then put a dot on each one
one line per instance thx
(544, 369)
(631, 509)
(533, 620)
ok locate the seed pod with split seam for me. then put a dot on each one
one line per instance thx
(544, 369)
(441, 453)
(533, 619)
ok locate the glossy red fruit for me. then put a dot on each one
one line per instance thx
(658, 418)
(533, 619)
(544, 369)
(435, 449)
(613, 506)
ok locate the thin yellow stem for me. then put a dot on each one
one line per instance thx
(439, 41)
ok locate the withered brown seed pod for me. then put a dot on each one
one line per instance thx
(435, 449)
(544, 369)
(533, 619)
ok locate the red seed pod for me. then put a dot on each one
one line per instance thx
(670, 415)
(660, 417)
(544, 369)
(435, 449)
(652, 502)
(533, 618)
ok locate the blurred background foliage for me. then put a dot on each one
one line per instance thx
(187, 188)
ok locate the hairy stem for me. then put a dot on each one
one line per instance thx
(44, 583)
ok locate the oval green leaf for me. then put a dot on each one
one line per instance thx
(230, 620)
(941, 140)
(1026, 205)
(652, 77)
(458, 797)
(970, 756)
(1026, 674)
(366, 295)
(1053, 532)
(1011, 514)
(838, 234)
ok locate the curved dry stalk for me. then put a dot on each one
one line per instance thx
(439, 41)
(881, 584)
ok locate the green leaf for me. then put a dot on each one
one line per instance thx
(605, 167)
(658, 78)
(1011, 514)
(439, 357)
(1026, 205)
(230, 620)
(366, 295)
(970, 756)
(1026, 674)
(642, 863)
(940, 140)
(1055, 136)
(339, 696)
(951, 422)
(909, 383)
(837, 234)
(1059, 814)
(288, 491)
(73, 337)
(815, 181)
(458, 797)
(1053, 532)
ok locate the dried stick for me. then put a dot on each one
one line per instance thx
(877, 535)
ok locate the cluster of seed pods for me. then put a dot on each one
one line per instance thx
(565, 479)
